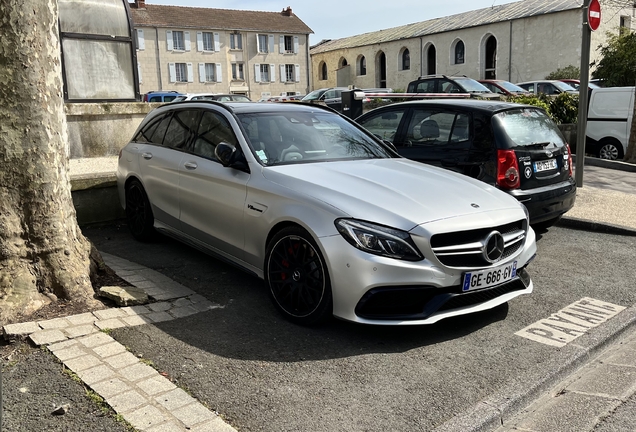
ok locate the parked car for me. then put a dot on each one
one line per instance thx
(331, 218)
(332, 97)
(505, 88)
(577, 83)
(609, 118)
(450, 84)
(515, 148)
(213, 96)
(548, 87)
(161, 96)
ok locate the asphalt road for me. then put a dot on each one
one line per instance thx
(262, 373)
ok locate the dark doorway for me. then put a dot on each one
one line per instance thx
(491, 58)
(382, 70)
(431, 60)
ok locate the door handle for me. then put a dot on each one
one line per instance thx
(190, 165)
(146, 155)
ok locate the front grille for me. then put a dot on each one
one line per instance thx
(463, 249)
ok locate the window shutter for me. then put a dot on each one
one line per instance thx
(258, 44)
(141, 42)
(139, 72)
(296, 43)
(271, 43)
(190, 73)
(199, 41)
(217, 42)
(281, 45)
(219, 73)
(282, 73)
(186, 36)
(257, 72)
(169, 40)
(297, 74)
(172, 71)
(202, 72)
(272, 72)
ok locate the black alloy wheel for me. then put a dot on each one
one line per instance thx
(298, 278)
(138, 212)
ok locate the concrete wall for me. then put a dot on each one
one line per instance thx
(102, 129)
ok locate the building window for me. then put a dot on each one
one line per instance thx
(406, 60)
(178, 41)
(289, 44)
(263, 46)
(459, 52)
(210, 72)
(236, 41)
(237, 71)
(290, 73)
(181, 72)
(208, 41)
(323, 70)
(264, 72)
(362, 66)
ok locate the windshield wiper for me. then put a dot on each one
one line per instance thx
(540, 145)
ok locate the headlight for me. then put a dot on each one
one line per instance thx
(379, 240)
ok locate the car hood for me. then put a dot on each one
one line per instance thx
(397, 192)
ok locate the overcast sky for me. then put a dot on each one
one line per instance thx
(334, 19)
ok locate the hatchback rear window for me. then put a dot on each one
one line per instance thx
(528, 126)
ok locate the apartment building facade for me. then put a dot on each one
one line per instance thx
(205, 50)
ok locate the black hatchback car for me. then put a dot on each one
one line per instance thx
(516, 148)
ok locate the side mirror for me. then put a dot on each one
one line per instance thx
(390, 145)
(230, 157)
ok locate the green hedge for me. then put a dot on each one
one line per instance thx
(563, 108)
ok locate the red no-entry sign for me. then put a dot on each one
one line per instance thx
(594, 15)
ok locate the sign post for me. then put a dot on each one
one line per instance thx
(591, 22)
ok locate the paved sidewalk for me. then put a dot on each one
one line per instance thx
(146, 399)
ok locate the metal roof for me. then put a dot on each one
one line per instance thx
(495, 14)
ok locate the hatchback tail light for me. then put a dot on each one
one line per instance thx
(569, 160)
(507, 169)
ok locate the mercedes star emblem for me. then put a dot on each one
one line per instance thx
(493, 247)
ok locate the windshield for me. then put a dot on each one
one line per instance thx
(314, 94)
(563, 86)
(471, 85)
(529, 126)
(512, 88)
(288, 137)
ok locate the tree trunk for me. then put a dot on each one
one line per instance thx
(42, 250)
(630, 154)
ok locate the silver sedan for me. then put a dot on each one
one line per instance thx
(332, 219)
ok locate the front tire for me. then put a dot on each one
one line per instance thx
(139, 215)
(297, 276)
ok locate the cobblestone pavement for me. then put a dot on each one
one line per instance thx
(145, 398)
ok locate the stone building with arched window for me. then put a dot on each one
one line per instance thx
(517, 42)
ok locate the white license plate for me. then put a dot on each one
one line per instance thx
(545, 165)
(491, 277)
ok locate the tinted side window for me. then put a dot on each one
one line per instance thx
(145, 134)
(450, 87)
(330, 94)
(213, 129)
(529, 87)
(383, 125)
(155, 99)
(425, 87)
(156, 135)
(430, 128)
(182, 127)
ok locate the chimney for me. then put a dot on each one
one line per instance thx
(139, 4)
(287, 12)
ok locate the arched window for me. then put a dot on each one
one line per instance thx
(406, 59)
(343, 63)
(323, 70)
(362, 66)
(459, 52)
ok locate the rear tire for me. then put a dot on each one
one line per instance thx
(610, 150)
(297, 276)
(138, 212)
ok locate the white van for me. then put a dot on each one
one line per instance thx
(609, 119)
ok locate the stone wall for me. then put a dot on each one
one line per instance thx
(102, 129)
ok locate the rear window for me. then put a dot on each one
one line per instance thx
(528, 126)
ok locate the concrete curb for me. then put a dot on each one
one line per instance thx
(589, 225)
(494, 411)
(610, 164)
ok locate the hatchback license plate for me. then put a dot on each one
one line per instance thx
(490, 277)
(545, 165)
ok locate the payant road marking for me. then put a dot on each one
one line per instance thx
(570, 322)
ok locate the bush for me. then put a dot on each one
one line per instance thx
(571, 72)
(562, 109)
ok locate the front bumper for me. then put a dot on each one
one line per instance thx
(358, 277)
